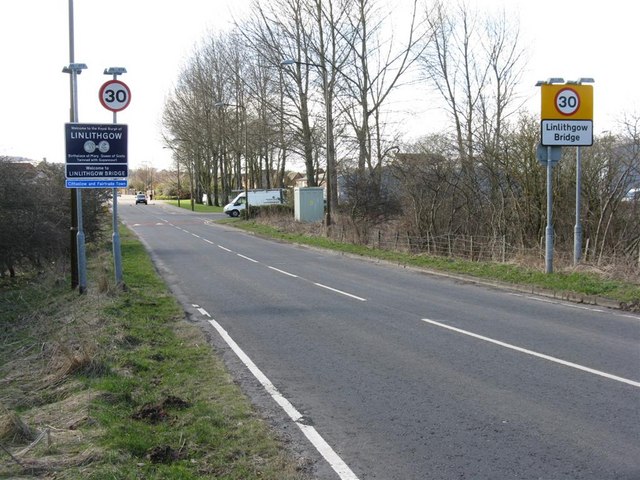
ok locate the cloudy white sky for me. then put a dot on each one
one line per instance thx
(153, 38)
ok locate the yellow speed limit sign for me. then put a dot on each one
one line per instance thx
(567, 102)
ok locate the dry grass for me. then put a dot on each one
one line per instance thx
(42, 404)
(14, 430)
(75, 369)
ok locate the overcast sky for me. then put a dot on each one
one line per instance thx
(153, 38)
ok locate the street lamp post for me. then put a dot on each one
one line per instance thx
(117, 257)
(246, 152)
(77, 239)
(329, 133)
(178, 168)
(177, 157)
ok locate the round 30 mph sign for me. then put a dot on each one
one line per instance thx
(115, 95)
(567, 101)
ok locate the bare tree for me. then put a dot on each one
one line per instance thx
(281, 31)
(375, 71)
(475, 64)
(611, 169)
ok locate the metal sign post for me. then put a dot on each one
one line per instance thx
(577, 231)
(548, 254)
(96, 156)
(566, 120)
(115, 96)
(549, 157)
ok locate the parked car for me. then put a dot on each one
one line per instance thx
(141, 198)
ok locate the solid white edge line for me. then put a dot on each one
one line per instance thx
(247, 258)
(340, 292)
(338, 465)
(261, 377)
(329, 454)
(582, 307)
(536, 354)
(283, 272)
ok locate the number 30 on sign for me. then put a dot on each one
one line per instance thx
(115, 95)
(567, 101)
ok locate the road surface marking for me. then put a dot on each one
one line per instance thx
(535, 354)
(247, 258)
(565, 304)
(329, 454)
(201, 310)
(208, 241)
(283, 272)
(581, 307)
(294, 276)
(340, 292)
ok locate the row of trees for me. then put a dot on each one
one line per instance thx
(304, 80)
(318, 83)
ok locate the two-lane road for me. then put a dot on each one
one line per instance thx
(390, 373)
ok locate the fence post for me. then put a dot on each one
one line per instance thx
(471, 249)
(395, 245)
(504, 248)
(586, 249)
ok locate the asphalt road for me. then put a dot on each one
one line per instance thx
(382, 372)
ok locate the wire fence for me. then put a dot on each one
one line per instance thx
(623, 266)
(488, 248)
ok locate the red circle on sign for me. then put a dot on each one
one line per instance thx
(115, 95)
(567, 102)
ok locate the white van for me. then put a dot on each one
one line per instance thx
(256, 198)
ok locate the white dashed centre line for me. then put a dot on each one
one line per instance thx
(340, 292)
(247, 258)
(283, 272)
(535, 354)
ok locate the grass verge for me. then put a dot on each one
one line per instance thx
(186, 204)
(117, 384)
(579, 284)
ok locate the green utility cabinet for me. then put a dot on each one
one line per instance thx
(309, 204)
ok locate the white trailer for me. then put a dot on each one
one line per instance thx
(256, 198)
